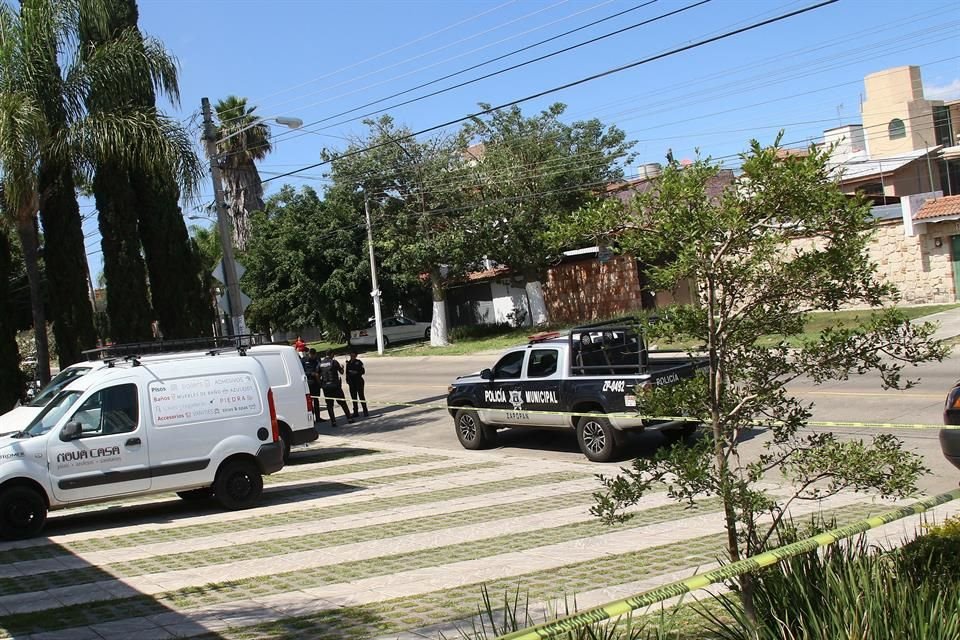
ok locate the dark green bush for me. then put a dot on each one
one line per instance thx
(475, 331)
(935, 556)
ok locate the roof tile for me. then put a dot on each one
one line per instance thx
(938, 207)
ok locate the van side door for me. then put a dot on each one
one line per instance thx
(108, 454)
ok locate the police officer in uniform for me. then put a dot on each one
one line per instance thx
(355, 382)
(310, 364)
(329, 371)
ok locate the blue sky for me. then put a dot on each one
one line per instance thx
(313, 59)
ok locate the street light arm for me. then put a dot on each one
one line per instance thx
(289, 122)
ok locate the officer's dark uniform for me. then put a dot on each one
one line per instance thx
(310, 364)
(329, 371)
(356, 383)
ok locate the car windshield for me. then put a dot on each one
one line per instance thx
(52, 413)
(59, 381)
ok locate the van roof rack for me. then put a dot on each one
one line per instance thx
(210, 344)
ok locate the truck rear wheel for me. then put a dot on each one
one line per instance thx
(471, 432)
(23, 513)
(238, 484)
(597, 438)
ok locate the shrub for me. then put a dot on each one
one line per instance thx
(847, 591)
(476, 331)
(935, 556)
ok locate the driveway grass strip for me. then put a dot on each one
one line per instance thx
(134, 539)
(357, 467)
(362, 568)
(450, 604)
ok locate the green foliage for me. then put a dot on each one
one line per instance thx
(849, 590)
(935, 556)
(535, 170)
(764, 249)
(474, 331)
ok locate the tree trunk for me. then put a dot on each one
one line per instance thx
(244, 193)
(180, 298)
(66, 263)
(128, 305)
(438, 323)
(536, 301)
(11, 378)
(27, 232)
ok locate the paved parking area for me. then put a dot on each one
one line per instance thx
(358, 539)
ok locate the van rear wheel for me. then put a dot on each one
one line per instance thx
(239, 485)
(23, 513)
(286, 437)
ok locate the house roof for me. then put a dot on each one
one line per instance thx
(488, 274)
(939, 207)
(859, 166)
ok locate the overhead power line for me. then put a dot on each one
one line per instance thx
(574, 83)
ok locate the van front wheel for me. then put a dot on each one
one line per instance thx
(238, 485)
(22, 513)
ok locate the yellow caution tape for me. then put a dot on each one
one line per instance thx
(639, 416)
(621, 607)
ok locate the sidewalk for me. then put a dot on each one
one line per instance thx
(948, 321)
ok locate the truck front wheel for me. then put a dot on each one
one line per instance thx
(23, 513)
(472, 433)
(597, 438)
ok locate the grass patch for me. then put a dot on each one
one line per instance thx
(472, 344)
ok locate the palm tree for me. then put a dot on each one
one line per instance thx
(238, 154)
(141, 209)
(47, 135)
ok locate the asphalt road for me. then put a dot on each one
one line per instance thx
(425, 379)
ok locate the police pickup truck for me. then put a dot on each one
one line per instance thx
(546, 383)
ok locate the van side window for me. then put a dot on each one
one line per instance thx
(109, 411)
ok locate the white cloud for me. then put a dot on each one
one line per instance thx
(949, 91)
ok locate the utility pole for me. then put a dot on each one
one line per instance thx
(373, 277)
(236, 325)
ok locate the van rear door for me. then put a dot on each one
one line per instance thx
(110, 456)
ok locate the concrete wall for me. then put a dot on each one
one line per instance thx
(507, 296)
(916, 266)
(897, 93)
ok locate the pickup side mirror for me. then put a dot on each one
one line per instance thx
(486, 374)
(71, 431)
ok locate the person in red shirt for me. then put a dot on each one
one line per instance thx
(300, 346)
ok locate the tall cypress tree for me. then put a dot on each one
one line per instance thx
(11, 380)
(146, 205)
(64, 256)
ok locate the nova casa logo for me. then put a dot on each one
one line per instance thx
(99, 452)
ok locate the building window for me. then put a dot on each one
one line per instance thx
(943, 128)
(897, 129)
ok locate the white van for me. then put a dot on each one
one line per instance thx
(291, 392)
(201, 426)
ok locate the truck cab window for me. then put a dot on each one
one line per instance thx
(509, 366)
(542, 363)
(109, 411)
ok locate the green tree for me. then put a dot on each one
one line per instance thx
(424, 224)
(242, 144)
(138, 208)
(307, 264)
(530, 170)
(780, 241)
(47, 136)
(11, 379)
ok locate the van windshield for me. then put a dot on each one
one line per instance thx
(58, 382)
(52, 413)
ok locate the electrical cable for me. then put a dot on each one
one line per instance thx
(586, 79)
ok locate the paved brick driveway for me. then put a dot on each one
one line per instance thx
(357, 539)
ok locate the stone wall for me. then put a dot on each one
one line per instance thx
(587, 290)
(920, 270)
(916, 266)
